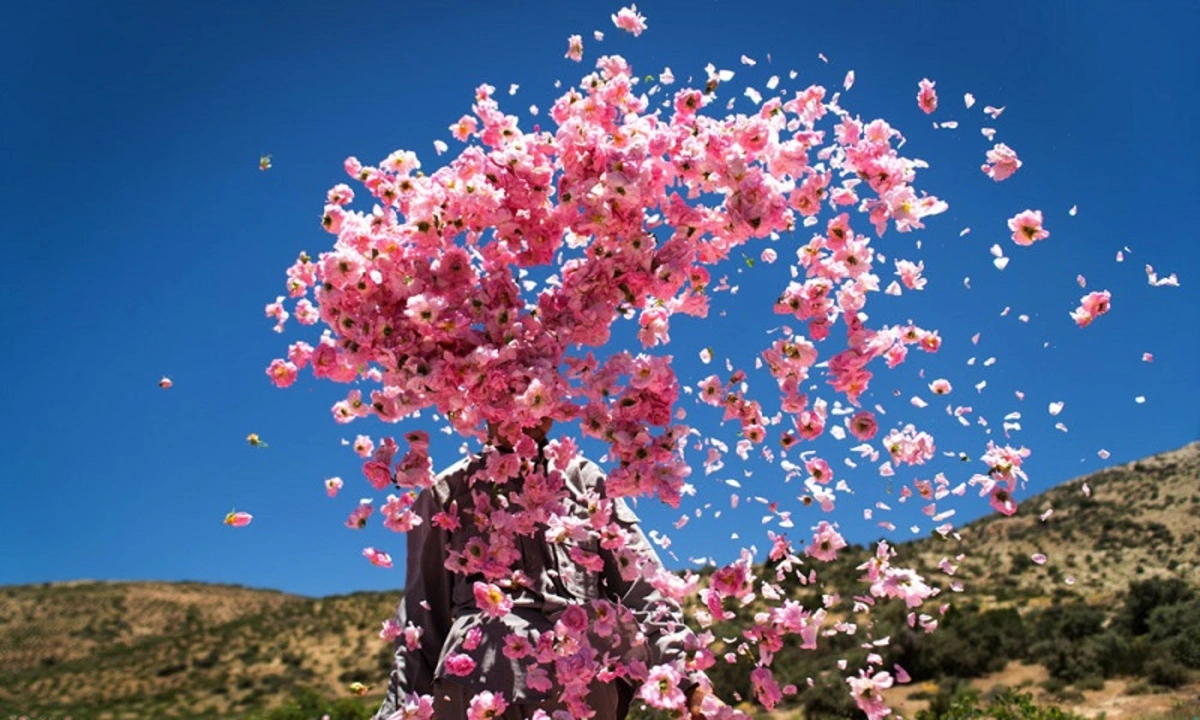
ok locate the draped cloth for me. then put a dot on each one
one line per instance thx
(442, 604)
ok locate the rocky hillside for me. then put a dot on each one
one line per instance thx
(109, 650)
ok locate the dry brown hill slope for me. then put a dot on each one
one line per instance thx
(108, 650)
(1140, 520)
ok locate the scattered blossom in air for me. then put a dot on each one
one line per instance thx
(238, 519)
(661, 689)
(491, 600)
(1027, 227)
(489, 290)
(1091, 306)
(629, 20)
(927, 98)
(486, 705)
(332, 486)
(264, 162)
(575, 48)
(255, 441)
(867, 691)
(165, 383)
(377, 558)
(1001, 163)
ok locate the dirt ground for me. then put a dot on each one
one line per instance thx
(1112, 702)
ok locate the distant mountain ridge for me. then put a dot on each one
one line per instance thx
(112, 650)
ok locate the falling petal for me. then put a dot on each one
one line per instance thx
(1056, 408)
(238, 519)
(968, 100)
(849, 81)
(1038, 558)
(165, 383)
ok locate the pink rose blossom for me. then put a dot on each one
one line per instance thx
(1027, 227)
(575, 48)
(629, 20)
(378, 558)
(1001, 163)
(927, 98)
(1091, 306)
(459, 665)
(491, 600)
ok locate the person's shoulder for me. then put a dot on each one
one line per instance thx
(587, 473)
(450, 482)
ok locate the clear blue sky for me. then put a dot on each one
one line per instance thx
(142, 240)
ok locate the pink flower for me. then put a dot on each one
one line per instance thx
(391, 630)
(486, 705)
(358, 517)
(165, 383)
(491, 600)
(575, 48)
(517, 647)
(927, 98)
(910, 274)
(661, 689)
(940, 386)
(863, 425)
(868, 694)
(826, 543)
(378, 474)
(766, 689)
(378, 558)
(1027, 227)
(332, 485)
(459, 664)
(281, 372)
(238, 519)
(1091, 306)
(364, 445)
(629, 20)
(1001, 163)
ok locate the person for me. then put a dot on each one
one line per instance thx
(527, 534)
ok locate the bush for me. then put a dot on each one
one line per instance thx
(1178, 627)
(1145, 596)
(1167, 672)
(967, 704)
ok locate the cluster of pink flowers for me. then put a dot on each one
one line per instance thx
(429, 301)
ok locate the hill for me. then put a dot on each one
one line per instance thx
(109, 650)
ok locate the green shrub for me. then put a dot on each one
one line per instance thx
(967, 704)
(1167, 672)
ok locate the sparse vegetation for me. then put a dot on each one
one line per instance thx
(201, 652)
